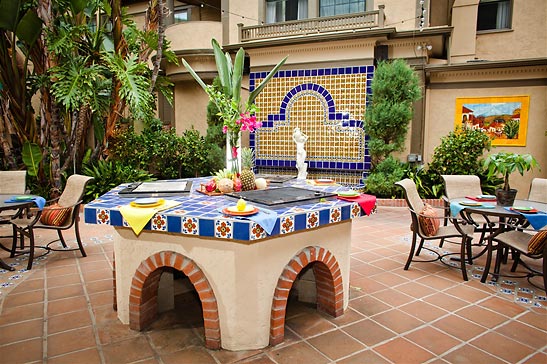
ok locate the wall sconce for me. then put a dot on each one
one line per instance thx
(424, 46)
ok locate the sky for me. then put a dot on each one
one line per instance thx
(496, 108)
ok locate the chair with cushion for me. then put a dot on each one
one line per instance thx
(529, 243)
(538, 190)
(428, 225)
(61, 214)
(458, 186)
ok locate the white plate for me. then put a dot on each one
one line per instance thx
(146, 201)
(248, 208)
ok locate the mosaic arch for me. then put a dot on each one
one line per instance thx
(326, 104)
(143, 297)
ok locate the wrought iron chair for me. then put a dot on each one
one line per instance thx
(538, 190)
(459, 231)
(68, 204)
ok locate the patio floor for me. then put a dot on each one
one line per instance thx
(61, 312)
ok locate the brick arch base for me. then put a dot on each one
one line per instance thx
(143, 301)
(328, 280)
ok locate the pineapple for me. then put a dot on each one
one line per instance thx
(247, 175)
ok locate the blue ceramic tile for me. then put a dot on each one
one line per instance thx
(281, 73)
(314, 72)
(90, 216)
(307, 72)
(241, 231)
(346, 212)
(300, 73)
(355, 70)
(324, 217)
(334, 71)
(116, 218)
(174, 224)
(206, 227)
(328, 72)
(300, 222)
(348, 70)
(370, 69)
(320, 72)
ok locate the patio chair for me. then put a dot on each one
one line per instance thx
(426, 225)
(60, 214)
(460, 185)
(538, 190)
(12, 182)
(523, 242)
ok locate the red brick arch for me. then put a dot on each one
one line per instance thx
(328, 280)
(143, 302)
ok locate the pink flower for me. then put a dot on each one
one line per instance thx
(224, 129)
(234, 152)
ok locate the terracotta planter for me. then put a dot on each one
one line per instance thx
(506, 198)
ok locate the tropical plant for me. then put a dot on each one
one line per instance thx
(504, 163)
(511, 128)
(227, 97)
(395, 87)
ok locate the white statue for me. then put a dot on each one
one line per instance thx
(300, 139)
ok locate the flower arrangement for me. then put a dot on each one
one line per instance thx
(236, 116)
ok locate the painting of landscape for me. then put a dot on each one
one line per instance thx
(503, 118)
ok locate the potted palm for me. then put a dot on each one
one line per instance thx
(506, 163)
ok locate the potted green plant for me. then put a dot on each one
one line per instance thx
(505, 163)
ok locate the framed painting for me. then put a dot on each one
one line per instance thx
(503, 118)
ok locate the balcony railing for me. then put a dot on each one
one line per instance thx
(356, 21)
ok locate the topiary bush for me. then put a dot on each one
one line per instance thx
(382, 182)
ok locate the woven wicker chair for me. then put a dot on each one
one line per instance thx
(71, 199)
(459, 231)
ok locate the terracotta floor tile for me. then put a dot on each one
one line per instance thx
(445, 301)
(88, 266)
(415, 289)
(397, 320)
(189, 356)
(99, 286)
(98, 275)
(115, 331)
(367, 356)
(68, 321)
(65, 305)
(369, 332)
(538, 320)
(87, 356)
(61, 281)
(502, 347)
(432, 339)
(393, 298)
(169, 341)
(226, 356)
(127, 351)
(22, 351)
(21, 331)
(400, 350)
(29, 285)
(523, 333)
(468, 294)
(300, 353)
(367, 285)
(503, 306)
(349, 316)
(20, 299)
(26, 312)
(336, 344)
(69, 341)
(63, 270)
(261, 359)
(537, 358)
(105, 315)
(458, 327)
(434, 281)
(423, 310)
(65, 291)
(469, 354)
(309, 325)
(368, 306)
(101, 299)
(481, 316)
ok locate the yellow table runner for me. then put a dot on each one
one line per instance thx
(138, 217)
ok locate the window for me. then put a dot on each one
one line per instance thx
(339, 7)
(285, 10)
(494, 14)
(180, 15)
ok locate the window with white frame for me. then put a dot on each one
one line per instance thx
(285, 10)
(494, 14)
(340, 7)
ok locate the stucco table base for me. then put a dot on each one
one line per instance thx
(245, 278)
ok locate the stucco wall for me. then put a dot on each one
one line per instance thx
(440, 116)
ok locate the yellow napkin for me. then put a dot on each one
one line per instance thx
(138, 217)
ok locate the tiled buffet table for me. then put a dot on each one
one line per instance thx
(242, 275)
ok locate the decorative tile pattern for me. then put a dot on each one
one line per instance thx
(201, 215)
(326, 104)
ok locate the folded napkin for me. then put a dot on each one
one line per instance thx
(367, 202)
(39, 201)
(481, 198)
(138, 217)
(265, 218)
(455, 207)
(537, 220)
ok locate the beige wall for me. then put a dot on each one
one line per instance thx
(527, 39)
(440, 114)
(191, 102)
(183, 35)
(399, 14)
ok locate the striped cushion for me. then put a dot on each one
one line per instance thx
(55, 215)
(429, 220)
(537, 242)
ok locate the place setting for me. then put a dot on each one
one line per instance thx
(366, 202)
(536, 218)
(139, 211)
(266, 218)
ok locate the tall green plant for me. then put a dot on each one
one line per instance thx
(395, 87)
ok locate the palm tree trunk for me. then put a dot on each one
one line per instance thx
(5, 140)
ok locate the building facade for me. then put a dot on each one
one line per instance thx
(487, 58)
